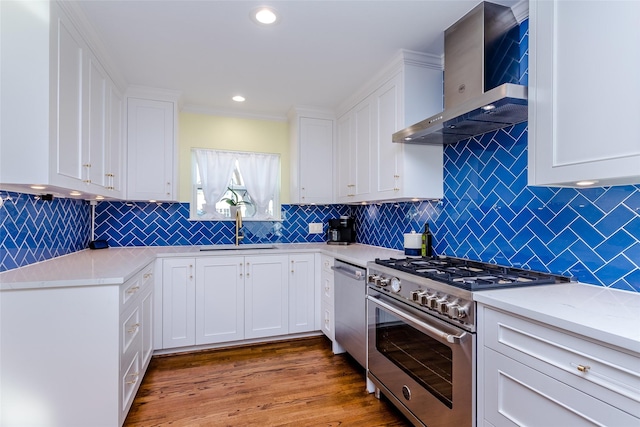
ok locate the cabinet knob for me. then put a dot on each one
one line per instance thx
(87, 181)
(583, 368)
(133, 290)
(87, 165)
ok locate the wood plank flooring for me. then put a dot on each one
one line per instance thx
(290, 383)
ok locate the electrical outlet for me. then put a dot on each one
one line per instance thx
(315, 228)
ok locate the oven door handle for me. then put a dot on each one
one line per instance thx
(434, 331)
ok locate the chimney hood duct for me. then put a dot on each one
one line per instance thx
(481, 93)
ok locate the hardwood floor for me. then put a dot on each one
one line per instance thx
(291, 383)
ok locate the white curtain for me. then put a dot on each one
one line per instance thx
(260, 172)
(215, 169)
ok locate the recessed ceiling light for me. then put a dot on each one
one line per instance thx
(265, 15)
(238, 98)
(38, 187)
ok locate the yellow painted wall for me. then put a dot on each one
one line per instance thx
(230, 133)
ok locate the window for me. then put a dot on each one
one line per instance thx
(234, 180)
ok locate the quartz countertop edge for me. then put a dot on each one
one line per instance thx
(607, 315)
(114, 266)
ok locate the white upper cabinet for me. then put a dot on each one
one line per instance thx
(58, 130)
(311, 145)
(370, 166)
(151, 146)
(582, 92)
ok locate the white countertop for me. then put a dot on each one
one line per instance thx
(114, 266)
(607, 315)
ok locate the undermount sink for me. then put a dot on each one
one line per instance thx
(239, 247)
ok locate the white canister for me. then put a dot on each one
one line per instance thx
(413, 244)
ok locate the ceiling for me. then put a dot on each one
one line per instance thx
(318, 54)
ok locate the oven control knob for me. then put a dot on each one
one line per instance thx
(383, 282)
(458, 312)
(395, 284)
(372, 278)
(415, 295)
(432, 301)
(443, 306)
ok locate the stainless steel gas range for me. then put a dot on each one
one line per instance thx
(421, 331)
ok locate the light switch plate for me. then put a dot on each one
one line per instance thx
(315, 228)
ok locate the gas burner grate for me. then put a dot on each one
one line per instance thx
(470, 275)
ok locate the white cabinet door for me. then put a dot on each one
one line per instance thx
(178, 302)
(354, 153)
(315, 161)
(219, 299)
(345, 182)
(71, 53)
(95, 126)
(385, 151)
(302, 298)
(361, 148)
(151, 150)
(581, 115)
(114, 161)
(266, 296)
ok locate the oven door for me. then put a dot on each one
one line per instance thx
(427, 365)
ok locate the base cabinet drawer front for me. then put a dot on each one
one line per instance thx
(517, 395)
(597, 369)
(607, 373)
(328, 321)
(131, 332)
(327, 286)
(129, 382)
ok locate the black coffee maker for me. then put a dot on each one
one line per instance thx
(341, 231)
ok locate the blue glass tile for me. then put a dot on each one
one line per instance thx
(613, 197)
(616, 218)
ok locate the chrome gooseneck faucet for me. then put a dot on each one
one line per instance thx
(239, 235)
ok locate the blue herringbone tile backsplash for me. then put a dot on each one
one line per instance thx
(167, 224)
(488, 213)
(33, 230)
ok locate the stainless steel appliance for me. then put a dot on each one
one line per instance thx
(421, 332)
(341, 231)
(480, 93)
(350, 309)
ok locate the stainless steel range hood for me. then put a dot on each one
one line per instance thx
(481, 93)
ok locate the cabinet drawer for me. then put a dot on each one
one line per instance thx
(130, 332)
(130, 290)
(327, 321)
(134, 286)
(516, 395)
(129, 381)
(327, 263)
(607, 373)
(327, 286)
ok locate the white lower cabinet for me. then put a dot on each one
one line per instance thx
(530, 373)
(219, 308)
(326, 301)
(178, 302)
(302, 290)
(74, 355)
(266, 296)
(219, 299)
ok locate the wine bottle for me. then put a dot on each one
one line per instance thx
(426, 241)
